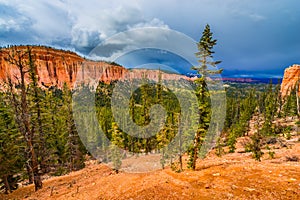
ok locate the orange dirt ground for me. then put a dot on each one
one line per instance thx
(233, 176)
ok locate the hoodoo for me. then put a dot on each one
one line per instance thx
(290, 78)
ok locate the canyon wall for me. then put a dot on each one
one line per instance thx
(57, 67)
(54, 67)
(290, 78)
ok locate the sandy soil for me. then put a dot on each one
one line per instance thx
(233, 176)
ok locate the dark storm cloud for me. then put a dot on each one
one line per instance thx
(253, 36)
(141, 57)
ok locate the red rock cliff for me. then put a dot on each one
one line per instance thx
(56, 67)
(290, 78)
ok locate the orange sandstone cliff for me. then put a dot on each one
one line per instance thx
(57, 67)
(290, 78)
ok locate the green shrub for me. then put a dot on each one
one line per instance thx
(271, 153)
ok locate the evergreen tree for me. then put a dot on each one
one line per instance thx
(11, 161)
(38, 113)
(219, 148)
(241, 108)
(74, 148)
(255, 144)
(117, 139)
(270, 109)
(290, 104)
(205, 56)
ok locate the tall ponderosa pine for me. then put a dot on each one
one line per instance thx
(205, 55)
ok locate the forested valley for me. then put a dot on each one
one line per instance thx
(39, 136)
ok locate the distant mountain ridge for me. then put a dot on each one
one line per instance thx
(252, 80)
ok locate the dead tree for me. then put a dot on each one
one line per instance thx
(20, 59)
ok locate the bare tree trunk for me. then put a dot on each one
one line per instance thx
(42, 148)
(180, 163)
(28, 167)
(18, 58)
(29, 134)
(18, 118)
(6, 184)
(195, 149)
(180, 143)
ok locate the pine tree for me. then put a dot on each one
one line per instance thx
(219, 148)
(205, 56)
(255, 146)
(38, 113)
(290, 104)
(74, 148)
(11, 161)
(240, 107)
(117, 140)
(270, 109)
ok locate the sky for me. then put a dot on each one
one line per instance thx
(255, 38)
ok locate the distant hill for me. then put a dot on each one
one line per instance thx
(252, 80)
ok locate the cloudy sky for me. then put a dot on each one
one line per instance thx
(255, 38)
